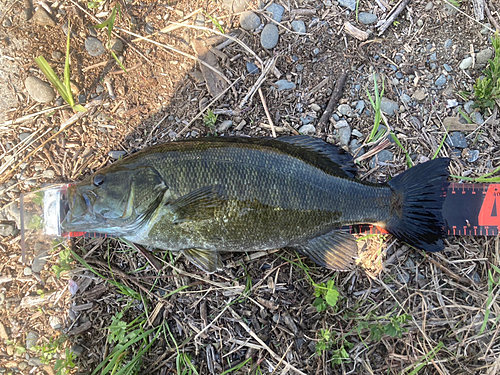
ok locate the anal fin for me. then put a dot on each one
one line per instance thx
(335, 250)
(208, 260)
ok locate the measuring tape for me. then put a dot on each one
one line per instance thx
(468, 209)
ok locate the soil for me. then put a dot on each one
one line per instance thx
(400, 310)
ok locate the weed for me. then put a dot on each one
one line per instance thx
(48, 350)
(326, 295)
(377, 329)
(487, 89)
(215, 22)
(426, 359)
(465, 116)
(375, 102)
(338, 348)
(64, 264)
(94, 4)
(210, 120)
(492, 283)
(455, 3)
(64, 89)
(409, 163)
(484, 178)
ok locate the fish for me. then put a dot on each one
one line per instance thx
(207, 196)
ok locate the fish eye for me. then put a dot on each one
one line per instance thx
(98, 180)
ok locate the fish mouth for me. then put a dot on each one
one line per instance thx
(81, 215)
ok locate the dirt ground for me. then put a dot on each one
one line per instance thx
(400, 311)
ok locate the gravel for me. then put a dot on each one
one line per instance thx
(283, 84)
(39, 90)
(94, 46)
(367, 18)
(440, 81)
(42, 18)
(307, 130)
(249, 21)
(235, 6)
(349, 4)
(473, 156)
(31, 339)
(116, 154)
(116, 45)
(389, 106)
(344, 109)
(483, 56)
(224, 126)
(466, 63)
(252, 68)
(276, 11)
(7, 229)
(382, 157)
(299, 26)
(457, 139)
(269, 36)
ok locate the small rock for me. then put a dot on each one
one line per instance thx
(429, 6)
(27, 13)
(39, 90)
(252, 68)
(399, 75)
(276, 11)
(77, 350)
(473, 156)
(367, 18)
(357, 133)
(99, 89)
(344, 134)
(199, 20)
(440, 81)
(235, 6)
(299, 67)
(283, 84)
(389, 106)
(22, 366)
(42, 18)
(149, 28)
(307, 130)
(116, 45)
(269, 36)
(486, 29)
(249, 21)
(7, 230)
(447, 68)
(403, 277)
(299, 26)
(31, 339)
(315, 107)
(349, 4)
(27, 271)
(448, 43)
(466, 63)
(419, 94)
(355, 147)
(382, 157)
(48, 173)
(116, 154)
(483, 56)
(39, 261)
(224, 126)
(316, 51)
(433, 57)
(457, 139)
(478, 118)
(468, 106)
(405, 98)
(55, 322)
(306, 119)
(35, 362)
(94, 46)
(3, 332)
(344, 109)
(360, 106)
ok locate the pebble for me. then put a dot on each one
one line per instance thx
(344, 132)
(447, 68)
(468, 106)
(486, 29)
(403, 277)
(457, 139)
(478, 118)
(473, 156)
(382, 157)
(405, 98)
(7, 230)
(94, 46)
(77, 350)
(367, 18)
(27, 13)
(31, 339)
(235, 6)
(39, 90)
(99, 89)
(28, 271)
(429, 6)
(433, 57)
(354, 146)
(299, 26)
(276, 11)
(344, 109)
(466, 63)
(22, 366)
(249, 21)
(252, 68)
(224, 126)
(57, 55)
(116, 154)
(315, 107)
(149, 28)
(306, 119)
(42, 18)
(307, 130)
(48, 173)
(39, 261)
(440, 81)
(389, 106)
(360, 106)
(116, 45)
(283, 84)
(419, 94)
(35, 362)
(357, 133)
(269, 36)
(483, 56)
(316, 51)
(299, 67)
(349, 4)
(448, 43)
(3, 332)
(399, 75)
(55, 322)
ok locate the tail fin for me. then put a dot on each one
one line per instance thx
(417, 205)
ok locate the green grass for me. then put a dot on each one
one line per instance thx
(375, 101)
(210, 119)
(64, 89)
(487, 88)
(485, 178)
(48, 350)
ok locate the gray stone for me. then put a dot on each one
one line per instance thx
(307, 130)
(419, 94)
(457, 139)
(28, 271)
(344, 134)
(483, 56)
(269, 36)
(35, 361)
(57, 55)
(448, 43)
(367, 18)
(116, 154)
(356, 133)
(447, 68)
(39, 261)
(99, 89)
(344, 109)
(316, 51)
(31, 339)
(77, 350)
(473, 156)
(360, 106)
(403, 277)
(48, 173)
(27, 13)
(306, 119)
(22, 366)
(405, 98)
(116, 45)
(389, 106)
(55, 322)
(235, 6)
(94, 46)
(149, 28)
(249, 21)
(382, 157)
(468, 106)
(299, 26)
(486, 29)
(299, 67)
(440, 81)
(224, 126)
(429, 6)
(315, 107)
(252, 68)
(42, 18)
(276, 11)
(24, 135)
(39, 90)
(478, 118)
(466, 63)
(199, 20)
(399, 75)
(349, 4)
(355, 147)
(7, 230)
(283, 84)
(433, 57)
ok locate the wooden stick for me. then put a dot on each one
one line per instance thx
(267, 112)
(491, 18)
(336, 95)
(393, 16)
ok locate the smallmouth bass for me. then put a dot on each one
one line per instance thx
(211, 195)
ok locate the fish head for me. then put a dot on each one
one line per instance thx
(115, 200)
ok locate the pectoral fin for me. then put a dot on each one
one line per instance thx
(199, 204)
(335, 250)
(208, 260)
